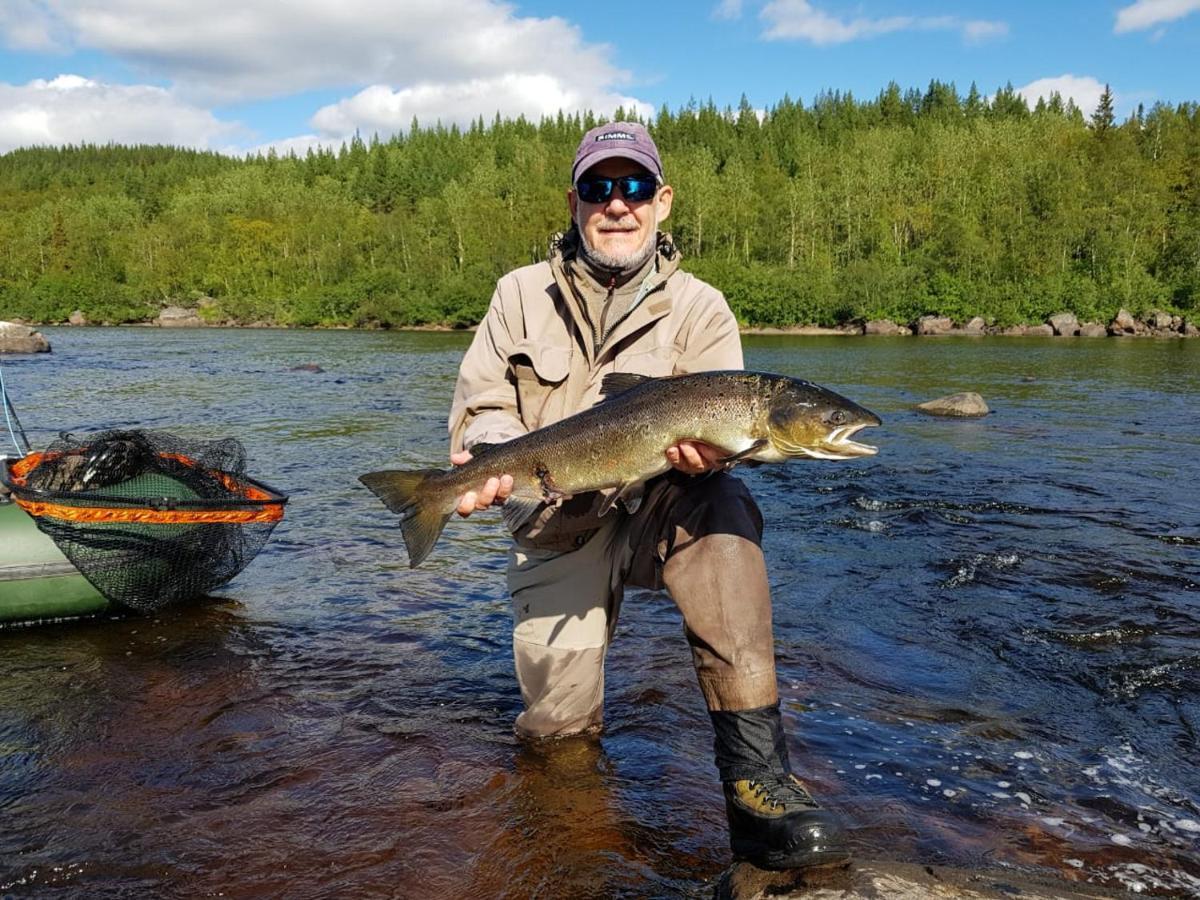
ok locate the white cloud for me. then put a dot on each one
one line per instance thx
(1148, 13)
(378, 108)
(728, 9)
(1084, 90)
(800, 20)
(71, 109)
(231, 50)
(27, 25)
(978, 31)
(452, 60)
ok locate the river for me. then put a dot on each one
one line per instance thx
(988, 640)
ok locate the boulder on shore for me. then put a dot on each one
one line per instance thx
(934, 325)
(1064, 324)
(977, 325)
(965, 404)
(1124, 323)
(1092, 330)
(178, 317)
(77, 318)
(16, 338)
(885, 326)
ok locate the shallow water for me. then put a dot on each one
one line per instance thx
(988, 641)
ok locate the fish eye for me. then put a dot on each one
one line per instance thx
(838, 417)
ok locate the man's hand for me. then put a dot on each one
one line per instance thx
(494, 493)
(695, 457)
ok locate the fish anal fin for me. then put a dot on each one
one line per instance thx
(741, 456)
(619, 382)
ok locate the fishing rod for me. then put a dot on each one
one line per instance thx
(12, 420)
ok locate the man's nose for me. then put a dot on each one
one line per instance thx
(617, 204)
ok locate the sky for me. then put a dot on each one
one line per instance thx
(240, 76)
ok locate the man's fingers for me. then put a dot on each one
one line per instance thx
(495, 491)
(691, 456)
(506, 486)
(461, 458)
(466, 505)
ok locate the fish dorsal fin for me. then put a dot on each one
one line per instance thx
(477, 450)
(619, 382)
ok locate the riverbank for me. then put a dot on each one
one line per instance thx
(1064, 324)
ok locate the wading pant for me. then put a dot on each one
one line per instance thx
(698, 538)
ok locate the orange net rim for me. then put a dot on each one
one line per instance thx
(143, 516)
(254, 502)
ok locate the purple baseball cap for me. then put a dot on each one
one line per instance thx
(623, 140)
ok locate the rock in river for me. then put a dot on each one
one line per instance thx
(967, 403)
(16, 338)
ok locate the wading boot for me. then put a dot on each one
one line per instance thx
(774, 822)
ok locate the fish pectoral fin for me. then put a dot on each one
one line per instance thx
(619, 382)
(477, 450)
(733, 460)
(621, 493)
(516, 511)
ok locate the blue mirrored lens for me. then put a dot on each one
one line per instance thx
(635, 188)
(638, 187)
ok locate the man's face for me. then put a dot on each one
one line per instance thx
(618, 230)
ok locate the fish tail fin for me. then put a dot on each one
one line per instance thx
(414, 496)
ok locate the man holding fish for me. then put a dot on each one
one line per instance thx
(611, 304)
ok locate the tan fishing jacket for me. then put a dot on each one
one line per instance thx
(533, 361)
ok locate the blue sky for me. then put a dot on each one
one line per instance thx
(236, 75)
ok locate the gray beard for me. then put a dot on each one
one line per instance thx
(624, 265)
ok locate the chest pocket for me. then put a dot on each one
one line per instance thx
(538, 372)
(654, 361)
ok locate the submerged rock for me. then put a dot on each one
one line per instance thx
(897, 881)
(16, 338)
(967, 403)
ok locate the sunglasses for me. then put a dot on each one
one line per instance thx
(634, 188)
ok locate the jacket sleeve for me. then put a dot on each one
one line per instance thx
(713, 341)
(485, 400)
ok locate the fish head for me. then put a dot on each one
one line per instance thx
(807, 420)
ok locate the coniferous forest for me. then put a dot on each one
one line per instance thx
(912, 203)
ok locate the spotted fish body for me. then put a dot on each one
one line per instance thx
(622, 441)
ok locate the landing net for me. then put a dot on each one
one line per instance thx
(146, 517)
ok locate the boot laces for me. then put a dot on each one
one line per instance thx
(783, 791)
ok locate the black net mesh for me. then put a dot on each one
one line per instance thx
(149, 519)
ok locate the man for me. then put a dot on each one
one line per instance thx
(612, 298)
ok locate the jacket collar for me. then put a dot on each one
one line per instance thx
(655, 303)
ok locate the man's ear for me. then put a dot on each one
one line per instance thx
(572, 202)
(664, 199)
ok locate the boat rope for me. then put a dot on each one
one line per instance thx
(10, 418)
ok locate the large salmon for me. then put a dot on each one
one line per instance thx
(622, 441)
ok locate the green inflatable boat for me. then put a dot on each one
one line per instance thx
(36, 580)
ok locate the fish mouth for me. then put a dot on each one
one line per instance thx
(838, 444)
